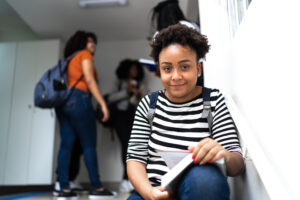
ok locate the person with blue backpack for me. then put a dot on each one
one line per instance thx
(182, 117)
(76, 115)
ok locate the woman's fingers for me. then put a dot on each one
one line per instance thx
(201, 149)
(209, 157)
(207, 151)
(213, 155)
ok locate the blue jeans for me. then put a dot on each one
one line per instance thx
(202, 183)
(77, 118)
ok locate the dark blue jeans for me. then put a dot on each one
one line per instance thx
(202, 183)
(77, 118)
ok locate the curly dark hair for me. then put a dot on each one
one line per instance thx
(166, 13)
(179, 34)
(123, 69)
(78, 42)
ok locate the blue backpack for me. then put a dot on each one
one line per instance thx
(52, 90)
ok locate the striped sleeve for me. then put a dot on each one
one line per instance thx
(138, 142)
(223, 127)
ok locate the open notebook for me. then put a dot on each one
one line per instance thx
(178, 162)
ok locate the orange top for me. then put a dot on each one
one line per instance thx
(75, 70)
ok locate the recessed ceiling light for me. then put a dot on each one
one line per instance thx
(94, 3)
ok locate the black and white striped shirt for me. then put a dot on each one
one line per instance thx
(175, 127)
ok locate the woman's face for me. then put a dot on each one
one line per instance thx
(91, 45)
(179, 70)
(133, 72)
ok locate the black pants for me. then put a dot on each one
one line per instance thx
(123, 125)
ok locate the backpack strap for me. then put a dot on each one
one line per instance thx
(152, 106)
(206, 113)
(71, 56)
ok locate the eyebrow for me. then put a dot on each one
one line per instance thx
(182, 61)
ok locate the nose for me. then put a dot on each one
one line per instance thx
(176, 75)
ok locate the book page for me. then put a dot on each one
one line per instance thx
(172, 158)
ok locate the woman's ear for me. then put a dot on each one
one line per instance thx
(199, 71)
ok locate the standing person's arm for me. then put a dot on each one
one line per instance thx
(138, 176)
(88, 72)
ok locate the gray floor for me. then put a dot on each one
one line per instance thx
(48, 195)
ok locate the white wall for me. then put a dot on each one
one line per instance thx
(258, 67)
(252, 189)
(12, 26)
(109, 54)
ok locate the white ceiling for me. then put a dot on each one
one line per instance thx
(61, 18)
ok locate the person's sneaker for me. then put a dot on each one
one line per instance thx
(67, 195)
(125, 186)
(56, 189)
(73, 186)
(104, 194)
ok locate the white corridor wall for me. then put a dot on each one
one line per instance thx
(259, 68)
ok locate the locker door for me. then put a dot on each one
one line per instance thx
(43, 122)
(7, 66)
(21, 116)
(30, 141)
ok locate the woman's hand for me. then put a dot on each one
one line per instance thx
(138, 176)
(207, 151)
(105, 112)
(158, 193)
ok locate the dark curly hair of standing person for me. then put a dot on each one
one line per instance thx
(78, 42)
(166, 13)
(123, 69)
(179, 34)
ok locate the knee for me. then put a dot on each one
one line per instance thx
(204, 182)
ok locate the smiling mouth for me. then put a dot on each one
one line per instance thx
(177, 86)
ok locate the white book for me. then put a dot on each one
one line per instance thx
(170, 179)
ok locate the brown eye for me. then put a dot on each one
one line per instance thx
(185, 67)
(166, 69)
